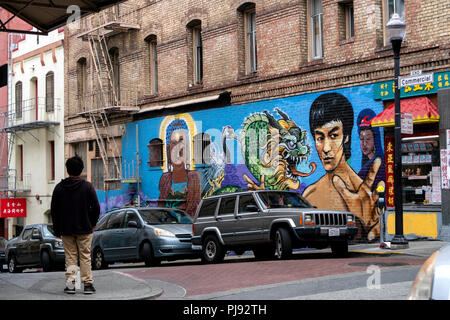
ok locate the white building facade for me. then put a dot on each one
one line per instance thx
(35, 123)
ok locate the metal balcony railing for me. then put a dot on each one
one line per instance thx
(31, 114)
(129, 171)
(13, 182)
(108, 100)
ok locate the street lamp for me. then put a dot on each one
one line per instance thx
(396, 31)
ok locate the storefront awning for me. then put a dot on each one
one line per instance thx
(422, 109)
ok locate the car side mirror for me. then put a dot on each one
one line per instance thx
(251, 208)
(132, 224)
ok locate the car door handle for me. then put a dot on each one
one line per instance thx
(219, 219)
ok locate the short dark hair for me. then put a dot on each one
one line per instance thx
(329, 107)
(74, 166)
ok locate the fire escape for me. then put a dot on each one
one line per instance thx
(106, 99)
(20, 117)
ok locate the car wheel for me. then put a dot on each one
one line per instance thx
(12, 265)
(340, 248)
(283, 244)
(46, 261)
(148, 256)
(212, 250)
(98, 261)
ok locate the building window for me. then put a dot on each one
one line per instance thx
(80, 149)
(155, 148)
(20, 163)
(52, 160)
(19, 99)
(250, 41)
(153, 63)
(315, 13)
(346, 20)
(49, 92)
(391, 7)
(97, 178)
(81, 83)
(115, 77)
(198, 54)
(202, 143)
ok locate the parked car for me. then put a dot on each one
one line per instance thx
(271, 223)
(3, 265)
(36, 246)
(149, 234)
(432, 282)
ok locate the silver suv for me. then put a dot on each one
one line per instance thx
(271, 223)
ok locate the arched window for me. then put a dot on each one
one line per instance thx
(247, 38)
(81, 83)
(195, 54)
(49, 92)
(152, 63)
(155, 149)
(202, 143)
(115, 94)
(19, 99)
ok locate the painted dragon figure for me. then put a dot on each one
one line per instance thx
(272, 149)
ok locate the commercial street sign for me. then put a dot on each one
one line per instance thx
(412, 81)
(385, 90)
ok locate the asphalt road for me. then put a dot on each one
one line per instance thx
(310, 275)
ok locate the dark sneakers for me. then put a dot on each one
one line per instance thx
(89, 289)
(69, 290)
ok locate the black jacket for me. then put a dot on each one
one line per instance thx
(74, 207)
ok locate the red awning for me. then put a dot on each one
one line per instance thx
(422, 109)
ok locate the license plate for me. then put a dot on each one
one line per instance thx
(333, 232)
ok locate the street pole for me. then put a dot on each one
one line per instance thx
(398, 239)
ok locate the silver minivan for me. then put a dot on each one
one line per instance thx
(148, 234)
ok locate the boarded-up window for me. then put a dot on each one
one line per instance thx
(97, 174)
(80, 149)
(155, 148)
(49, 92)
(202, 143)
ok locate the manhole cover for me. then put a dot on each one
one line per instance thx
(380, 264)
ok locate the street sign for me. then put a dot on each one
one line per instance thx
(13, 207)
(406, 123)
(415, 80)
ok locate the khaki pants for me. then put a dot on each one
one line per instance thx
(78, 248)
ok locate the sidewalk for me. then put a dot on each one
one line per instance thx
(421, 248)
(119, 285)
(110, 285)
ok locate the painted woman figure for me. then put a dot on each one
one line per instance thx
(371, 147)
(179, 187)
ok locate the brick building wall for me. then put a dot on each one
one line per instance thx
(285, 67)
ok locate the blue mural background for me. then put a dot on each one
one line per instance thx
(232, 118)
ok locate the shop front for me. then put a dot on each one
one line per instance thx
(424, 173)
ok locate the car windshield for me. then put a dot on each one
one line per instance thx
(48, 231)
(165, 217)
(273, 200)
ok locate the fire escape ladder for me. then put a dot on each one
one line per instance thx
(98, 117)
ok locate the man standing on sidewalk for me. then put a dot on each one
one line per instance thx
(75, 211)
